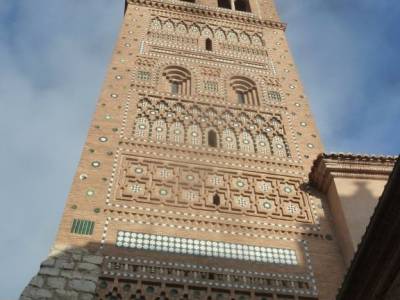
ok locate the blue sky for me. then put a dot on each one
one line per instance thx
(53, 58)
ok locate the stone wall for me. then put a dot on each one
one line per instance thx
(66, 274)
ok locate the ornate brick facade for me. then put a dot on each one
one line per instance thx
(193, 180)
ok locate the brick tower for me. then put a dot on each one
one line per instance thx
(193, 179)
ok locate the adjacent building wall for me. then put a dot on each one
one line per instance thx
(352, 185)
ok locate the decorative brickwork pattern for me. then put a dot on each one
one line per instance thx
(153, 290)
(249, 132)
(196, 30)
(171, 184)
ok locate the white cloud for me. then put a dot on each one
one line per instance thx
(343, 51)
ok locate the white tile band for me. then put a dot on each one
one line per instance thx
(144, 241)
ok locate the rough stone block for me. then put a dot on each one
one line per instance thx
(86, 297)
(93, 259)
(90, 277)
(48, 262)
(37, 293)
(56, 282)
(66, 265)
(82, 285)
(76, 257)
(66, 295)
(88, 267)
(70, 274)
(49, 271)
(37, 281)
(26, 291)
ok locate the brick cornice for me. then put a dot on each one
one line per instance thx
(328, 166)
(213, 12)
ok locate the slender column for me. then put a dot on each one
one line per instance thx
(233, 4)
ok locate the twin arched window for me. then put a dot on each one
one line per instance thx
(244, 91)
(177, 80)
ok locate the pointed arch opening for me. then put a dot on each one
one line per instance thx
(212, 138)
(209, 46)
(216, 200)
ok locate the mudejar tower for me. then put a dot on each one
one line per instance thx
(193, 179)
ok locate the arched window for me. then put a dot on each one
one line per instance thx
(240, 97)
(174, 87)
(208, 44)
(212, 138)
(178, 80)
(224, 4)
(216, 200)
(242, 5)
(243, 90)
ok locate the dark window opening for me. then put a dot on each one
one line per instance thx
(224, 4)
(209, 44)
(242, 5)
(240, 97)
(212, 138)
(191, 1)
(216, 200)
(174, 87)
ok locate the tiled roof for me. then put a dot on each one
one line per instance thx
(349, 165)
(359, 157)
